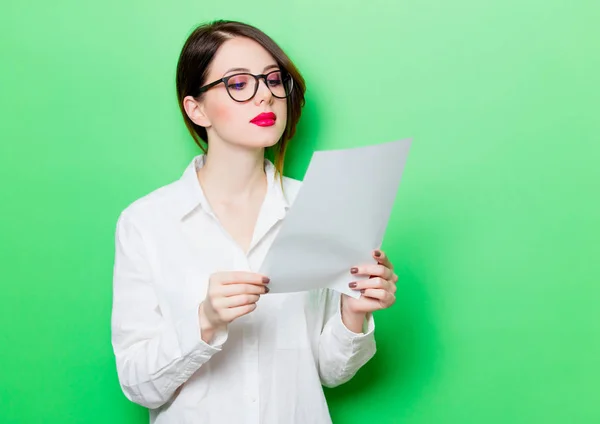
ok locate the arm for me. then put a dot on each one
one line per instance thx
(154, 357)
(342, 349)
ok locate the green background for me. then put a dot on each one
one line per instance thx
(495, 232)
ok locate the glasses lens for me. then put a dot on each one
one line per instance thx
(280, 84)
(241, 87)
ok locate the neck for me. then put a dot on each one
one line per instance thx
(232, 174)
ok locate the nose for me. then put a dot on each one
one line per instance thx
(263, 93)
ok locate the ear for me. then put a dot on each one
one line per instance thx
(195, 110)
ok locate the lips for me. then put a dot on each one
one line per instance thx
(264, 119)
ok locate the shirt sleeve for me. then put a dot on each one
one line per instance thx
(153, 356)
(342, 352)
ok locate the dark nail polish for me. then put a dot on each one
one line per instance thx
(377, 253)
(354, 270)
(352, 285)
(266, 280)
(267, 290)
(362, 291)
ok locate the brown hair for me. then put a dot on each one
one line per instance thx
(192, 69)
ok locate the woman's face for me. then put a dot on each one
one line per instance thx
(229, 121)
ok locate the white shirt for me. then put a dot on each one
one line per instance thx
(269, 366)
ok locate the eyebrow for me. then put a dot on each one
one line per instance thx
(248, 70)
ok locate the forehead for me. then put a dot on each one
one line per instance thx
(241, 52)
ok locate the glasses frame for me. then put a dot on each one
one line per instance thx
(284, 77)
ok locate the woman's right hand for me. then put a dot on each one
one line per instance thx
(230, 295)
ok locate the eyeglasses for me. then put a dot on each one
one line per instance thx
(243, 87)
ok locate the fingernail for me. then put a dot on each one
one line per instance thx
(267, 290)
(352, 285)
(266, 280)
(354, 270)
(362, 291)
(377, 253)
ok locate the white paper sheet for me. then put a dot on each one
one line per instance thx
(339, 216)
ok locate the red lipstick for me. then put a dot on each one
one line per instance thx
(264, 119)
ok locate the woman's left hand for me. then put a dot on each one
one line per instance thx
(378, 291)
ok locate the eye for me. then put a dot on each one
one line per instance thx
(238, 82)
(237, 86)
(275, 79)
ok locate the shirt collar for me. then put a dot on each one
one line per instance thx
(190, 195)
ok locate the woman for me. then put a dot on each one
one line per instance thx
(197, 339)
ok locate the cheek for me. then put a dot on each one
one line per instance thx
(281, 111)
(221, 111)
(227, 118)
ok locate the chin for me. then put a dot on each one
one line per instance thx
(268, 139)
(257, 138)
(258, 143)
(264, 143)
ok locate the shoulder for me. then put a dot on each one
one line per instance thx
(152, 207)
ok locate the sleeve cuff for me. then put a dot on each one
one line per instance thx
(341, 332)
(190, 338)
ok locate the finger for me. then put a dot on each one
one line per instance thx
(373, 283)
(385, 297)
(236, 289)
(382, 259)
(234, 313)
(240, 300)
(374, 270)
(237, 277)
